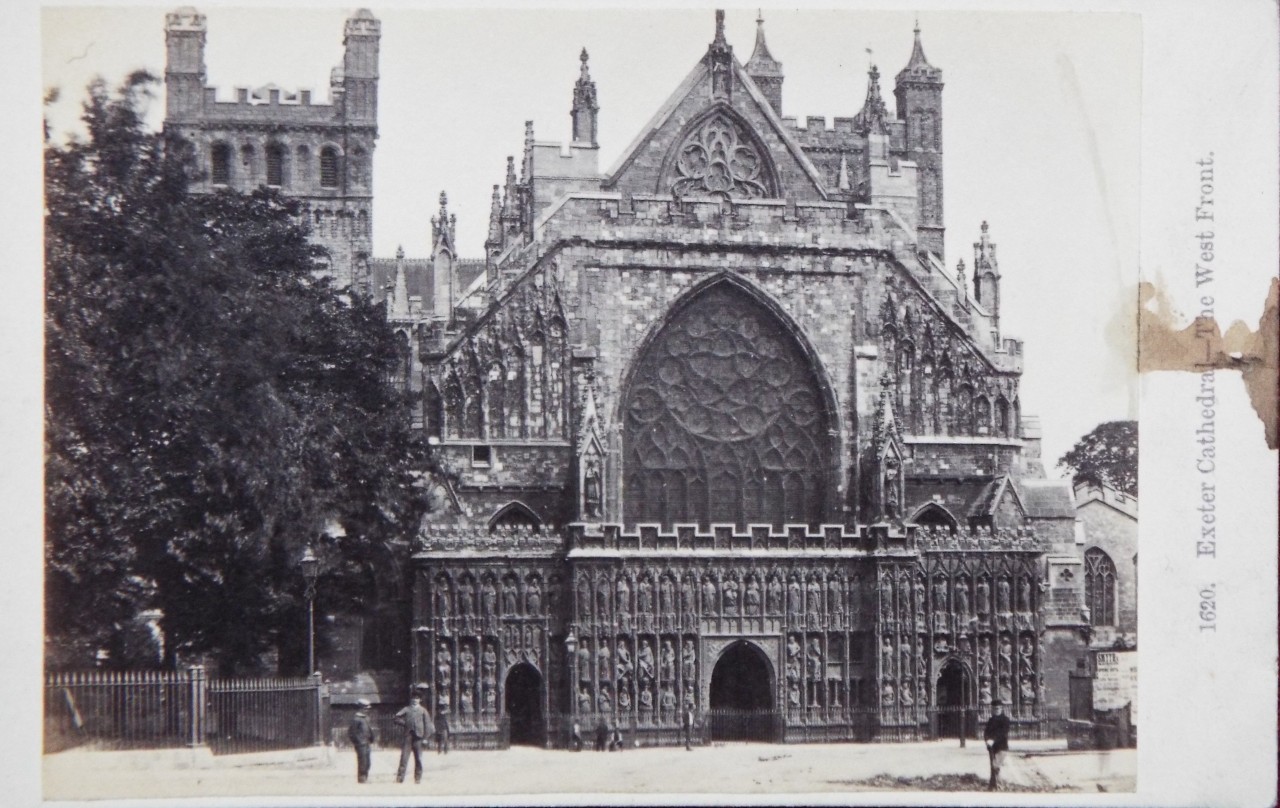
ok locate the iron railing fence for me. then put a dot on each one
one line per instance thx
(257, 715)
(121, 710)
(158, 709)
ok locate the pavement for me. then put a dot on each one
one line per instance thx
(735, 769)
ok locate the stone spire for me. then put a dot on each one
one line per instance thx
(443, 226)
(585, 106)
(494, 238)
(511, 202)
(764, 70)
(918, 66)
(871, 118)
(526, 166)
(986, 277)
(719, 60)
(398, 308)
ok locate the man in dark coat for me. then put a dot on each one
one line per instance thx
(687, 725)
(442, 732)
(416, 725)
(996, 736)
(360, 734)
(602, 735)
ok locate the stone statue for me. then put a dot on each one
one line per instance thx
(774, 603)
(584, 663)
(886, 593)
(1002, 596)
(490, 700)
(904, 653)
(939, 595)
(814, 659)
(510, 599)
(604, 702)
(488, 663)
(793, 598)
(984, 657)
(886, 654)
(730, 589)
(906, 697)
(667, 661)
(1024, 594)
(622, 660)
(465, 700)
(465, 603)
(690, 696)
(667, 699)
(962, 598)
(751, 598)
(917, 591)
(584, 597)
(646, 699)
(602, 600)
(644, 597)
(687, 605)
(835, 597)
(1028, 690)
(984, 597)
(602, 661)
(467, 663)
(984, 690)
(591, 489)
(584, 700)
(442, 599)
(1006, 654)
(1006, 692)
(708, 596)
(887, 695)
(793, 695)
(624, 595)
(1025, 653)
(644, 661)
(488, 599)
(624, 700)
(688, 662)
(533, 599)
(813, 601)
(666, 596)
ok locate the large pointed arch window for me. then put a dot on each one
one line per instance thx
(725, 420)
(1100, 587)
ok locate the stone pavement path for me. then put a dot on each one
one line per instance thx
(727, 769)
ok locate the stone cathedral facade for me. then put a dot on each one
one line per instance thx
(722, 429)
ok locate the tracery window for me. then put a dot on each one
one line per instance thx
(725, 420)
(720, 159)
(1100, 587)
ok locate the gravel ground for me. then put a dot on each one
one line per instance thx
(728, 769)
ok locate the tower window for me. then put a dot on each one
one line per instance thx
(275, 165)
(1100, 587)
(481, 456)
(221, 164)
(329, 167)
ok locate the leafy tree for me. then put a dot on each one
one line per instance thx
(1108, 455)
(212, 402)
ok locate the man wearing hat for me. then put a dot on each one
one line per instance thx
(996, 735)
(416, 723)
(361, 735)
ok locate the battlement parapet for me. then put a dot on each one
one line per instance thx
(480, 539)
(931, 538)
(595, 538)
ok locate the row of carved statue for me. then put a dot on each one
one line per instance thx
(609, 676)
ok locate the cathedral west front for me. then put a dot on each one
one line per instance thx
(720, 428)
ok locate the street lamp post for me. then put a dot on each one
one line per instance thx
(571, 648)
(310, 571)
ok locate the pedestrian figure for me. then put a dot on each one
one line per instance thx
(575, 737)
(615, 742)
(442, 732)
(414, 719)
(602, 735)
(996, 736)
(688, 728)
(360, 733)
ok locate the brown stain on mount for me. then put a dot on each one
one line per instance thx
(1202, 346)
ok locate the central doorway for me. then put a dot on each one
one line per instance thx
(741, 698)
(523, 703)
(955, 704)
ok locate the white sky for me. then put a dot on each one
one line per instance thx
(1041, 132)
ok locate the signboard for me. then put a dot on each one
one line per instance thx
(1115, 682)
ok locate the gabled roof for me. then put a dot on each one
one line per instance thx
(689, 99)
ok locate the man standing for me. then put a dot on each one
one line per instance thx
(442, 732)
(688, 727)
(996, 735)
(414, 720)
(360, 734)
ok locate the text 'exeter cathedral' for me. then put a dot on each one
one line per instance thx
(721, 429)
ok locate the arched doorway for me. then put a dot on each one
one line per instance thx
(725, 418)
(523, 704)
(742, 696)
(954, 701)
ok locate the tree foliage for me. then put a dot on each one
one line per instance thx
(1107, 455)
(211, 404)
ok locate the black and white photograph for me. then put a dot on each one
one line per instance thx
(431, 399)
